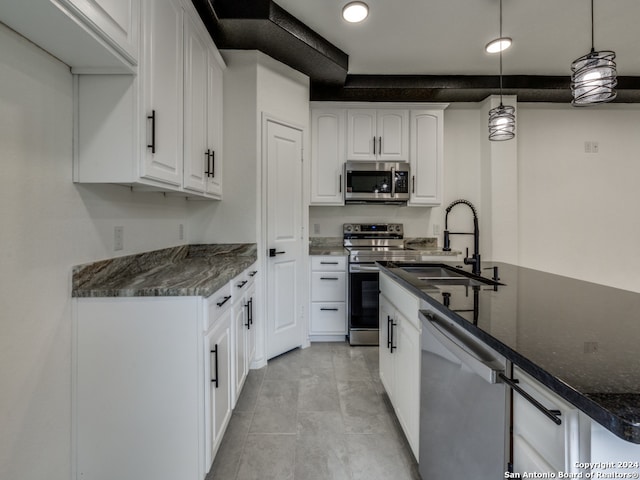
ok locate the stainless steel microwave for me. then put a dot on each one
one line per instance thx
(376, 182)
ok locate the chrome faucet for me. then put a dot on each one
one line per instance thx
(474, 260)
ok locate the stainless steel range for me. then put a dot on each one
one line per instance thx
(367, 244)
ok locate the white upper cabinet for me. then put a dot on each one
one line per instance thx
(426, 157)
(163, 57)
(91, 36)
(202, 112)
(328, 152)
(381, 134)
(162, 128)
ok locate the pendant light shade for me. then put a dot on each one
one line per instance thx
(502, 120)
(593, 76)
(502, 123)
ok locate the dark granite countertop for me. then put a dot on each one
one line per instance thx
(188, 270)
(579, 339)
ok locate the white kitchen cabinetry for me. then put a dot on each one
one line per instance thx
(328, 154)
(328, 297)
(202, 112)
(400, 356)
(539, 444)
(154, 382)
(91, 36)
(381, 134)
(132, 130)
(243, 291)
(426, 157)
(218, 373)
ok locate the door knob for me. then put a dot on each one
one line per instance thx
(273, 253)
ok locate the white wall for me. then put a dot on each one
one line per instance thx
(578, 212)
(48, 225)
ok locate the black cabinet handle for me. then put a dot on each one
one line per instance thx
(374, 145)
(273, 253)
(248, 307)
(152, 117)
(253, 274)
(379, 145)
(213, 163)
(251, 311)
(551, 414)
(413, 181)
(388, 331)
(328, 263)
(328, 309)
(242, 284)
(226, 299)
(215, 354)
(207, 156)
(329, 278)
(392, 347)
(340, 184)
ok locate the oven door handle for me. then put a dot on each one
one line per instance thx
(363, 268)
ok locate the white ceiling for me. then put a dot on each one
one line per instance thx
(447, 37)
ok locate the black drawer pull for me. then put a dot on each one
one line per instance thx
(242, 284)
(551, 414)
(328, 263)
(328, 309)
(226, 299)
(329, 278)
(253, 274)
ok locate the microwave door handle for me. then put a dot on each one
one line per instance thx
(393, 182)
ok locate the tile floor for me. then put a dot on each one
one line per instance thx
(317, 413)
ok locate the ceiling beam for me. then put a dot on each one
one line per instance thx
(262, 25)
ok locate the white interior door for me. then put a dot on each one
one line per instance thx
(284, 237)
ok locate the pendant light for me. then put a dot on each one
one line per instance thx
(502, 120)
(593, 78)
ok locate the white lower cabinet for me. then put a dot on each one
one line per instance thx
(328, 297)
(155, 380)
(539, 444)
(244, 294)
(400, 332)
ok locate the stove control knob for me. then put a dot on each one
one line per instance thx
(348, 228)
(396, 228)
(356, 228)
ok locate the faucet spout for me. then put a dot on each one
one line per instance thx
(474, 260)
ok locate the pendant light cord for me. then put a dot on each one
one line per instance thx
(592, 35)
(501, 52)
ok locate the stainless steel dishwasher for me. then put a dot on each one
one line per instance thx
(463, 407)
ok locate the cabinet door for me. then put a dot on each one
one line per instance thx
(218, 383)
(117, 20)
(163, 91)
(407, 379)
(392, 128)
(362, 143)
(214, 124)
(327, 156)
(251, 327)
(539, 445)
(240, 339)
(196, 153)
(426, 158)
(386, 356)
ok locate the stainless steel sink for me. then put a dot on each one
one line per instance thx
(444, 275)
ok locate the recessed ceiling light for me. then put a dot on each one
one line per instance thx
(498, 45)
(355, 12)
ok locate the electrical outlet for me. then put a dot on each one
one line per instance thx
(591, 146)
(118, 238)
(181, 231)
(436, 229)
(594, 147)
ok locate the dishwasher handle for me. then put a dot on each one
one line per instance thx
(484, 368)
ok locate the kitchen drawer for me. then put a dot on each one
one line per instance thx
(328, 318)
(328, 286)
(219, 302)
(329, 263)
